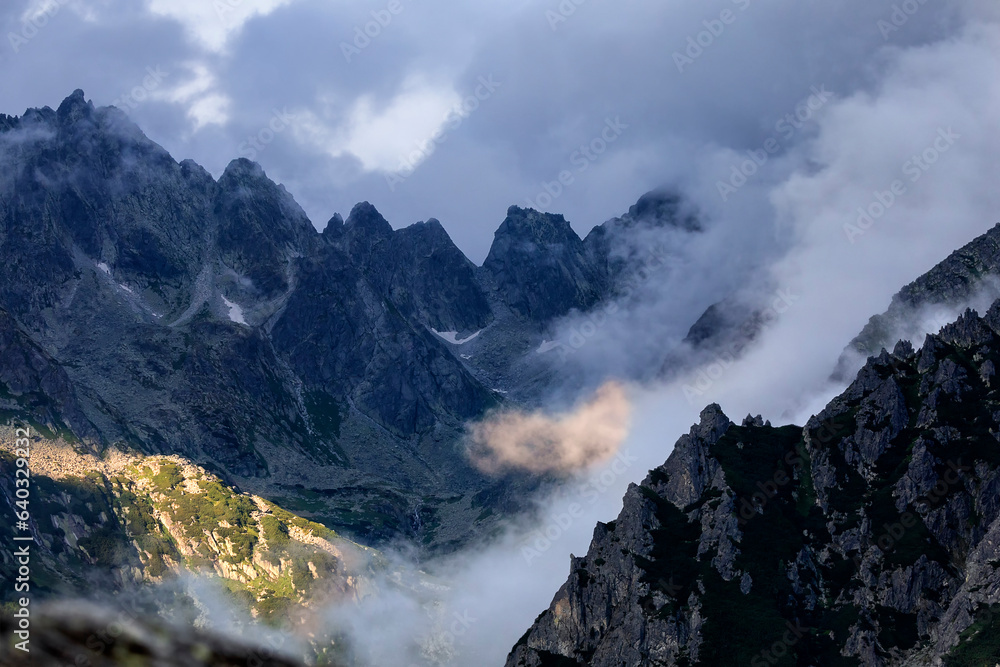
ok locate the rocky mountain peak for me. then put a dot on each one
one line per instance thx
(660, 208)
(244, 184)
(365, 221)
(431, 228)
(527, 225)
(540, 266)
(242, 169)
(75, 108)
(334, 227)
(967, 277)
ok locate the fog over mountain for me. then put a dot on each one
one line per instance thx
(403, 430)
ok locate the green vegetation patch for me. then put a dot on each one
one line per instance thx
(168, 478)
(980, 644)
(200, 514)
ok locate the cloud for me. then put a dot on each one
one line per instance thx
(559, 86)
(567, 443)
(381, 137)
(205, 106)
(211, 24)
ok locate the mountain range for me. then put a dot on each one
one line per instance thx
(212, 383)
(152, 307)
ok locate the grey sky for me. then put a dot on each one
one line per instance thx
(360, 113)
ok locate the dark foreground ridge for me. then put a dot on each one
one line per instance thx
(82, 633)
(869, 537)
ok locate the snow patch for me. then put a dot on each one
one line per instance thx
(235, 312)
(126, 288)
(452, 336)
(104, 267)
(547, 346)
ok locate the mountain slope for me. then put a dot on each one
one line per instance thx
(209, 319)
(968, 273)
(103, 525)
(870, 536)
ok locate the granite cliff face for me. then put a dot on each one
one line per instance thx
(869, 536)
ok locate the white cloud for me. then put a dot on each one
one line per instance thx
(205, 106)
(384, 138)
(212, 22)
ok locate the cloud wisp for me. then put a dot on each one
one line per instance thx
(536, 443)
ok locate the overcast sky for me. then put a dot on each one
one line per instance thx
(511, 90)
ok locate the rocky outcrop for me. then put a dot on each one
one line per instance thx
(969, 274)
(539, 267)
(417, 268)
(866, 537)
(102, 524)
(614, 246)
(31, 381)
